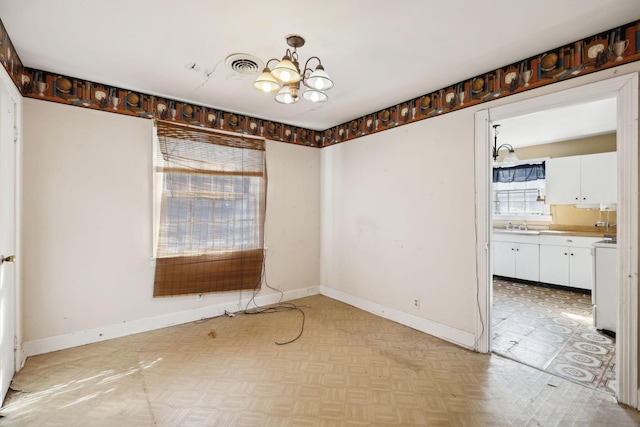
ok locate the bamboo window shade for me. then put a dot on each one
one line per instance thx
(212, 209)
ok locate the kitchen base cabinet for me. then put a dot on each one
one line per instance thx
(555, 264)
(581, 268)
(547, 258)
(504, 259)
(516, 256)
(527, 262)
(567, 261)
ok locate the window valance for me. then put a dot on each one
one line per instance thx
(519, 173)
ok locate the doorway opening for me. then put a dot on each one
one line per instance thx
(624, 89)
(542, 254)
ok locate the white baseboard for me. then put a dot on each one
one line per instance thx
(88, 336)
(447, 333)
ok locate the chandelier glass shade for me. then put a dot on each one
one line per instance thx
(266, 82)
(285, 78)
(289, 94)
(286, 71)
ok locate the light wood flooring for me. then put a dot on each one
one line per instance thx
(349, 368)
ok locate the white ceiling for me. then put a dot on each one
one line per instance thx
(559, 124)
(378, 53)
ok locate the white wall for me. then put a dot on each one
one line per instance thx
(398, 219)
(87, 228)
(292, 229)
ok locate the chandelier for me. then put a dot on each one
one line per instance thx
(286, 77)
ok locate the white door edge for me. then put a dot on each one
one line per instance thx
(15, 95)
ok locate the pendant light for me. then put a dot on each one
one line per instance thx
(511, 155)
(285, 78)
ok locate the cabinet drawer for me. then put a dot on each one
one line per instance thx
(516, 238)
(576, 241)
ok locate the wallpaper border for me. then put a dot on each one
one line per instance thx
(607, 49)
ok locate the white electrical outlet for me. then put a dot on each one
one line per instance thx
(416, 302)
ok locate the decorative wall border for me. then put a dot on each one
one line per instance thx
(607, 49)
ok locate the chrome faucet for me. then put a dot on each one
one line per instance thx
(523, 226)
(509, 226)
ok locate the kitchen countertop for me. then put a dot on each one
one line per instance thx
(582, 231)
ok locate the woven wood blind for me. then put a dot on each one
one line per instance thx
(213, 198)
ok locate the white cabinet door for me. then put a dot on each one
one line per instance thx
(598, 176)
(563, 180)
(588, 179)
(554, 264)
(581, 268)
(567, 265)
(527, 262)
(504, 262)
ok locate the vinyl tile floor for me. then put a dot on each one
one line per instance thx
(552, 329)
(349, 368)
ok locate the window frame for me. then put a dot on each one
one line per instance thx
(545, 217)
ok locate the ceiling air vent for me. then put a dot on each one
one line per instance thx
(243, 63)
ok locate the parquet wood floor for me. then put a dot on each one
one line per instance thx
(349, 368)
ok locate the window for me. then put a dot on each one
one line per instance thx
(208, 212)
(518, 198)
(518, 192)
(210, 206)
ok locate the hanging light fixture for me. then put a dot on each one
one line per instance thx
(511, 155)
(286, 77)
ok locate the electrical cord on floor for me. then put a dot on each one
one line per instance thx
(278, 307)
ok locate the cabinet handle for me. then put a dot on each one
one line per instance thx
(517, 249)
(565, 253)
(577, 198)
(571, 254)
(584, 198)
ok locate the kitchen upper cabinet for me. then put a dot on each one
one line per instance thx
(516, 256)
(599, 178)
(588, 179)
(567, 261)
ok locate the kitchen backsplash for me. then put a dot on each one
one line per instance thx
(570, 215)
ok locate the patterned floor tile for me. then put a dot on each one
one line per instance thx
(553, 330)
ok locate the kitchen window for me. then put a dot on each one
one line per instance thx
(519, 191)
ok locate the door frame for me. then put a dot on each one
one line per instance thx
(625, 89)
(15, 95)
